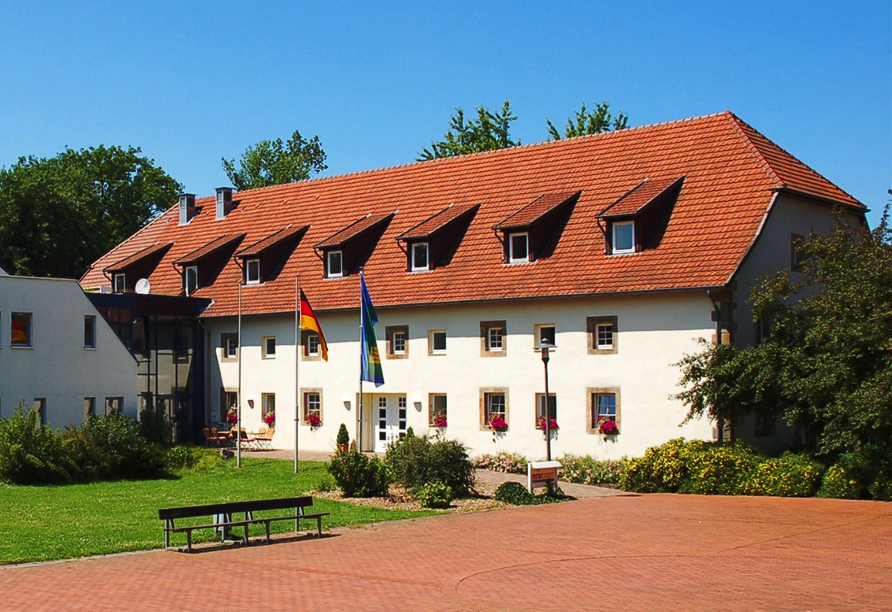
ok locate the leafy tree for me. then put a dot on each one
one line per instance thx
(589, 122)
(273, 162)
(489, 132)
(60, 214)
(827, 364)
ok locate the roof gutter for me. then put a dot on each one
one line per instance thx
(820, 199)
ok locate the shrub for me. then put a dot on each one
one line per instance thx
(32, 454)
(155, 425)
(188, 457)
(514, 493)
(510, 463)
(790, 475)
(434, 494)
(343, 437)
(718, 470)
(357, 475)
(326, 484)
(109, 447)
(590, 471)
(840, 483)
(415, 461)
(660, 470)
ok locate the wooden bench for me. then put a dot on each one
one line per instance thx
(221, 516)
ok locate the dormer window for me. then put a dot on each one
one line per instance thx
(252, 272)
(191, 279)
(624, 237)
(518, 247)
(120, 283)
(334, 262)
(419, 257)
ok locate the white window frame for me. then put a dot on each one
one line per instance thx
(264, 347)
(617, 225)
(416, 266)
(512, 257)
(540, 405)
(267, 404)
(604, 345)
(433, 411)
(191, 273)
(490, 398)
(399, 343)
(311, 403)
(90, 343)
(120, 282)
(328, 268)
(431, 335)
(313, 345)
(495, 343)
(252, 279)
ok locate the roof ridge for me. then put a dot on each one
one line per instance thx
(757, 153)
(454, 158)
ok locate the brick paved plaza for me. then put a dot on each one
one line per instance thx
(653, 552)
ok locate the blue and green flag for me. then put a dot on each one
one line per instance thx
(371, 359)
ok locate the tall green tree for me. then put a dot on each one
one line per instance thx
(589, 122)
(827, 363)
(274, 162)
(60, 214)
(488, 132)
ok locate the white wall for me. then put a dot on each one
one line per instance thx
(654, 331)
(57, 366)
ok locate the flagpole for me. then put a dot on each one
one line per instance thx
(297, 339)
(238, 412)
(361, 340)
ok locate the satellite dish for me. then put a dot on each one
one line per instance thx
(143, 286)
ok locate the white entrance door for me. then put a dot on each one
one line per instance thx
(390, 419)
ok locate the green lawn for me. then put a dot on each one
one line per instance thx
(47, 523)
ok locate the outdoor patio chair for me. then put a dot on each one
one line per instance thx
(264, 439)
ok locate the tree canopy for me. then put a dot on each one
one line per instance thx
(589, 122)
(274, 162)
(59, 214)
(827, 363)
(488, 132)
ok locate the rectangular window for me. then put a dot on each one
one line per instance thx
(492, 338)
(191, 279)
(90, 331)
(624, 237)
(495, 406)
(311, 345)
(268, 404)
(89, 406)
(419, 256)
(604, 405)
(120, 283)
(602, 335)
(228, 401)
(544, 333)
(436, 342)
(796, 243)
(113, 405)
(40, 406)
(335, 264)
(229, 346)
(252, 272)
(518, 248)
(21, 329)
(540, 407)
(397, 341)
(312, 408)
(268, 347)
(437, 410)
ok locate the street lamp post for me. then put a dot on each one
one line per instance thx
(544, 347)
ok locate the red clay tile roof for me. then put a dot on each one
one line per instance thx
(256, 249)
(731, 171)
(534, 210)
(137, 256)
(351, 231)
(640, 196)
(207, 249)
(436, 222)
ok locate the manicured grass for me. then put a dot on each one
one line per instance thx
(48, 523)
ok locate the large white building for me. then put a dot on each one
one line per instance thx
(620, 248)
(59, 355)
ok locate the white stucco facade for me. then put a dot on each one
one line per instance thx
(55, 364)
(653, 331)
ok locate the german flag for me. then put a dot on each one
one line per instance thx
(309, 321)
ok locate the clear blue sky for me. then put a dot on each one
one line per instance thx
(191, 82)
